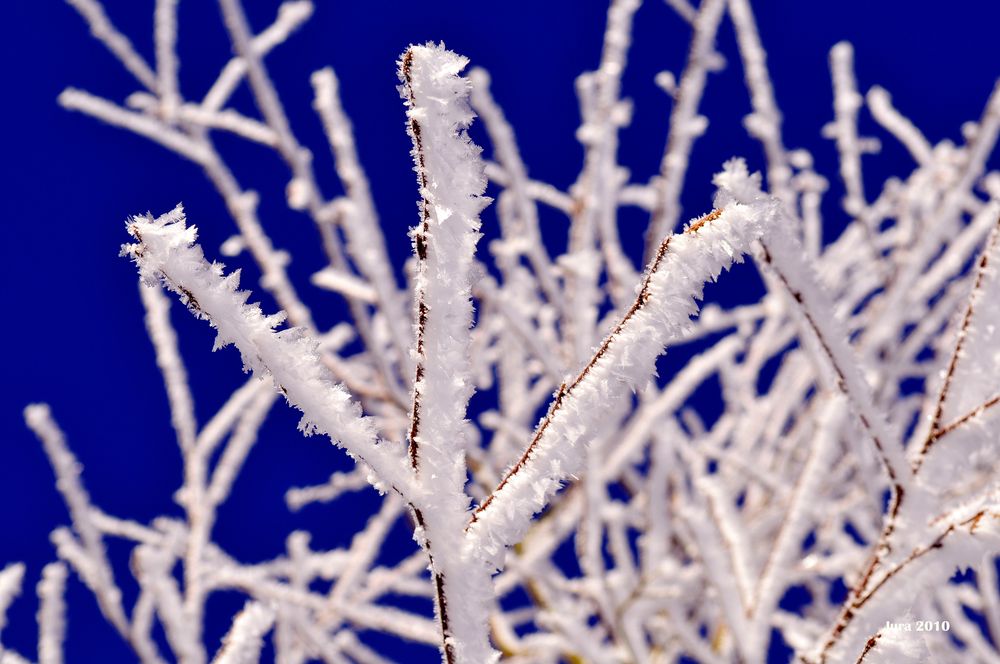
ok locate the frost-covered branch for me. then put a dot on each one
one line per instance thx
(979, 385)
(104, 31)
(686, 125)
(52, 613)
(89, 555)
(165, 251)
(451, 180)
(244, 641)
(624, 361)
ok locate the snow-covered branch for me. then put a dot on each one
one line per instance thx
(622, 363)
(165, 251)
(451, 180)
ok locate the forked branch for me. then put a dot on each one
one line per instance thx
(623, 362)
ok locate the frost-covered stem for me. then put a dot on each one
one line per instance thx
(624, 361)
(242, 205)
(870, 645)
(507, 153)
(963, 419)
(865, 601)
(979, 148)
(836, 360)
(11, 578)
(651, 412)
(590, 533)
(192, 114)
(539, 192)
(51, 613)
(302, 191)
(339, 483)
(765, 121)
(593, 231)
(684, 9)
(989, 589)
(945, 211)
(603, 177)
(138, 123)
(686, 125)
(846, 102)
(798, 517)
(263, 89)
(451, 181)
(581, 270)
(245, 639)
(365, 241)
(165, 37)
(359, 294)
(837, 363)
(165, 250)
(880, 104)
(840, 370)
(289, 647)
(409, 626)
(365, 548)
(832, 352)
(104, 31)
(67, 470)
(953, 261)
(226, 417)
(719, 555)
(659, 513)
(489, 294)
(291, 15)
(153, 566)
(143, 614)
(200, 517)
(243, 438)
(423, 72)
(169, 361)
(839, 366)
(937, 428)
(811, 185)
(582, 263)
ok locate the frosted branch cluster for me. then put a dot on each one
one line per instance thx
(597, 509)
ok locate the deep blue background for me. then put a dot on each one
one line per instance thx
(74, 333)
